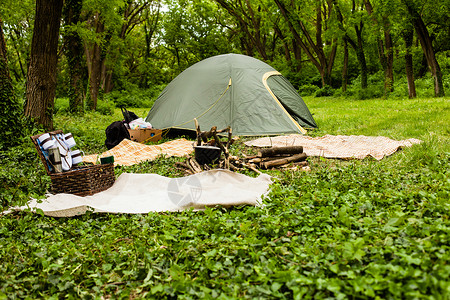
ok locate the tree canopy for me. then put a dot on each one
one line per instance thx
(107, 46)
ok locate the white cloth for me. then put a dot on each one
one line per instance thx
(143, 193)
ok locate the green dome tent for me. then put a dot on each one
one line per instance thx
(232, 90)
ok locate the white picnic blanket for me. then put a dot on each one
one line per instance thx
(337, 146)
(144, 193)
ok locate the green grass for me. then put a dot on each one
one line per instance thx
(347, 229)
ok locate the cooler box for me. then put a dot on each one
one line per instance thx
(145, 135)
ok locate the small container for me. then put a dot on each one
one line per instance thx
(55, 159)
(46, 141)
(69, 140)
(107, 160)
(207, 154)
(76, 157)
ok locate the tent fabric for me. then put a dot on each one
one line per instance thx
(339, 146)
(144, 193)
(232, 90)
(128, 153)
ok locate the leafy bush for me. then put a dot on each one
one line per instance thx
(134, 97)
(11, 118)
(21, 177)
(324, 92)
(61, 105)
(105, 107)
(369, 93)
(308, 89)
(425, 86)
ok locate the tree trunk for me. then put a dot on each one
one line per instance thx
(389, 57)
(385, 51)
(94, 62)
(357, 46)
(359, 49)
(408, 36)
(427, 47)
(94, 77)
(74, 53)
(41, 77)
(345, 68)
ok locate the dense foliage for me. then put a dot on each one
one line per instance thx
(143, 45)
(346, 229)
(10, 111)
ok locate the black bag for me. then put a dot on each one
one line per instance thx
(115, 133)
(128, 115)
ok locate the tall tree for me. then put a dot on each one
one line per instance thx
(10, 112)
(41, 76)
(320, 50)
(385, 49)
(358, 44)
(250, 24)
(73, 47)
(427, 46)
(408, 36)
(18, 19)
(93, 51)
(133, 16)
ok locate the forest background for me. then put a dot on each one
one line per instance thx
(105, 54)
(363, 229)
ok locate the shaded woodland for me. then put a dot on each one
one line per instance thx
(87, 50)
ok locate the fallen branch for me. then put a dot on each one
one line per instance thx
(283, 161)
(194, 165)
(251, 167)
(259, 160)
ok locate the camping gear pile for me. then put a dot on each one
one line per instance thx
(63, 166)
(131, 128)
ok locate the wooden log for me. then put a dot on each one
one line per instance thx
(264, 159)
(283, 161)
(197, 128)
(280, 150)
(224, 150)
(248, 157)
(300, 164)
(182, 164)
(194, 165)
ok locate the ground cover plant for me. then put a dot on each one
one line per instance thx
(346, 229)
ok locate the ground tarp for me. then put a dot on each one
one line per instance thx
(144, 193)
(338, 146)
(128, 153)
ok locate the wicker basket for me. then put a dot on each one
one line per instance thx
(81, 181)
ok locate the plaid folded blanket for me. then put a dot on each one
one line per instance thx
(338, 146)
(128, 153)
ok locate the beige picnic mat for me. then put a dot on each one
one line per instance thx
(144, 193)
(338, 146)
(128, 153)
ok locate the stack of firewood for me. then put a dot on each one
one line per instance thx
(276, 157)
(267, 158)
